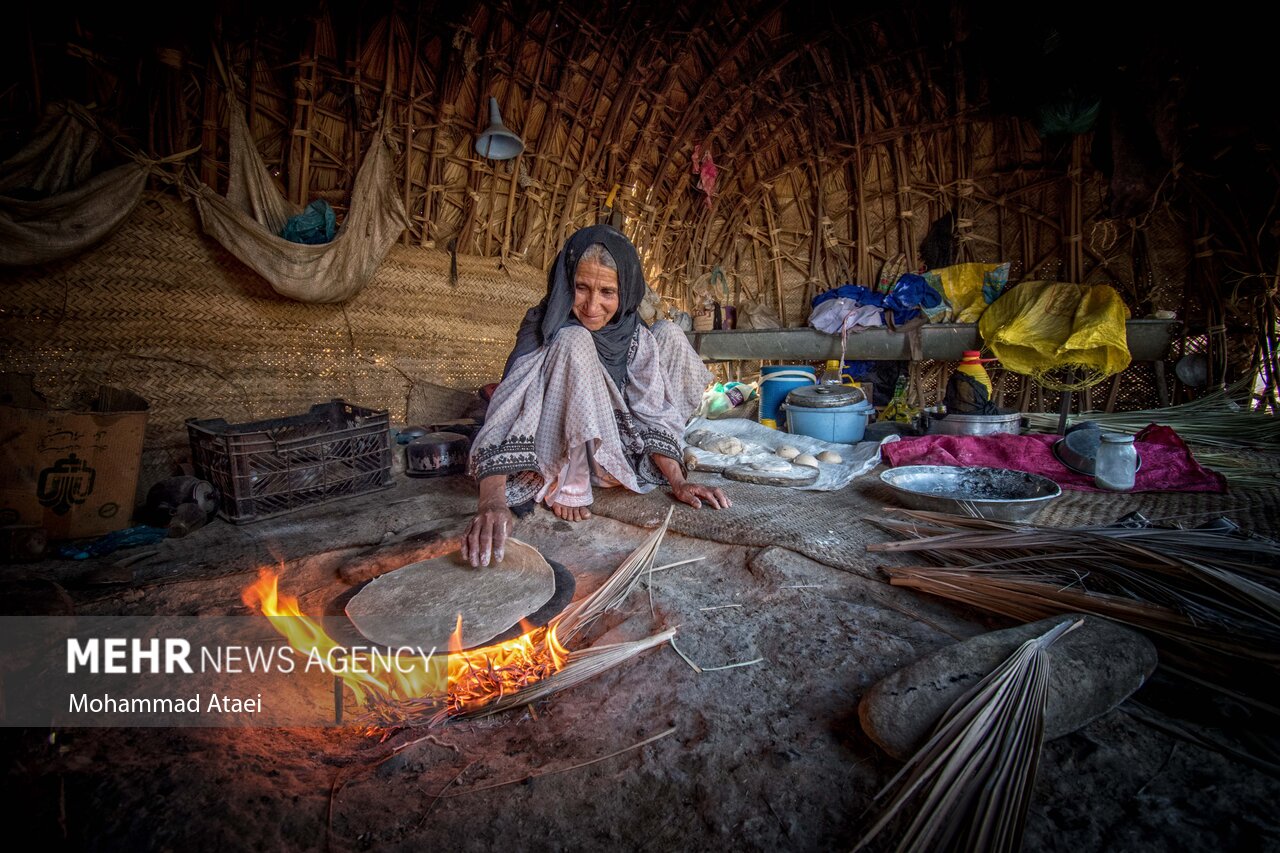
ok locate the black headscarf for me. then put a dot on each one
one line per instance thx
(555, 311)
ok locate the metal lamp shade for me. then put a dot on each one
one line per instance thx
(497, 142)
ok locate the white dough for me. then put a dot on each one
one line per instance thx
(786, 451)
(690, 460)
(726, 445)
(806, 459)
(770, 465)
(830, 456)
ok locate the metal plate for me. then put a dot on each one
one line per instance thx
(339, 627)
(995, 493)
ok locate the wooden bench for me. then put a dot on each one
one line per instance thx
(1148, 341)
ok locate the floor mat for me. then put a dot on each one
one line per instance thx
(829, 526)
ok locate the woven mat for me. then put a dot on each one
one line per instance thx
(829, 526)
(163, 310)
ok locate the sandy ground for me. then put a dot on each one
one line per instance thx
(766, 756)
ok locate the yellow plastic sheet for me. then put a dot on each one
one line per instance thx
(1044, 329)
(970, 288)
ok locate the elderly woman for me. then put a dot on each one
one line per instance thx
(590, 396)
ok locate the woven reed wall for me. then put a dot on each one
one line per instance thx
(166, 312)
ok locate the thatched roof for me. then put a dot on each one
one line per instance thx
(1072, 144)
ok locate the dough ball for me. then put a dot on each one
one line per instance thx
(806, 459)
(786, 451)
(726, 445)
(698, 436)
(690, 460)
(830, 456)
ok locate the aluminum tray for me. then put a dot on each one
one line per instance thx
(995, 493)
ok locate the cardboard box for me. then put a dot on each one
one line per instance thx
(73, 472)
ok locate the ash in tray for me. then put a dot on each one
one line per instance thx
(974, 484)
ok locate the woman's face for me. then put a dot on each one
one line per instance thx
(595, 295)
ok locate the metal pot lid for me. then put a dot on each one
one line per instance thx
(825, 396)
(439, 438)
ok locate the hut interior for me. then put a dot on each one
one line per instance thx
(723, 690)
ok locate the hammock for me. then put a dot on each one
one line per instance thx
(50, 206)
(249, 219)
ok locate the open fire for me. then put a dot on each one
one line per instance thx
(433, 688)
(460, 682)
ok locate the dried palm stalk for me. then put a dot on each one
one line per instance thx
(970, 785)
(1215, 419)
(1205, 595)
(1257, 473)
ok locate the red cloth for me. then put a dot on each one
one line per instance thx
(1167, 463)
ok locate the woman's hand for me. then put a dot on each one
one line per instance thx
(694, 494)
(682, 490)
(486, 535)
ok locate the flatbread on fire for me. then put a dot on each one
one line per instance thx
(418, 605)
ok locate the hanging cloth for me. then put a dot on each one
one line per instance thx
(249, 220)
(51, 206)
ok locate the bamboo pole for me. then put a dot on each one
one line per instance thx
(300, 144)
(209, 125)
(410, 117)
(1075, 215)
(776, 253)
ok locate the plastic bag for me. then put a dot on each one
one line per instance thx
(835, 315)
(755, 315)
(314, 225)
(1043, 326)
(970, 288)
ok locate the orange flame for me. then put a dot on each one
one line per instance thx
(471, 679)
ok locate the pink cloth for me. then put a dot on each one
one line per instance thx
(1167, 463)
(706, 170)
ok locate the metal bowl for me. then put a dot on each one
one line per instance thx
(954, 424)
(1078, 449)
(995, 493)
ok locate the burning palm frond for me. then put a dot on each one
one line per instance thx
(478, 682)
(1196, 591)
(970, 785)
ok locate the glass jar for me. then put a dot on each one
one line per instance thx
(1116, 463)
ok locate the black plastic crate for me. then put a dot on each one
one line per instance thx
(268, 468)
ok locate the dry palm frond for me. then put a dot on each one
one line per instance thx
(1241, 473)
(579, 615)
(583, 665)
(1214, 419)
(1196, 591)
(970, 785)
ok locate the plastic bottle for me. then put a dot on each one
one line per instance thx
(971, 365)
(831, 375)
(1116, 463)
(723, 397)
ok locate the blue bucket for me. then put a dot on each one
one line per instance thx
(776, 382)
(838, 424)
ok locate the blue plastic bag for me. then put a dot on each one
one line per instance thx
(314, 225)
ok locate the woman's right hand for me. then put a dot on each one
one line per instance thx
(486, 536)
